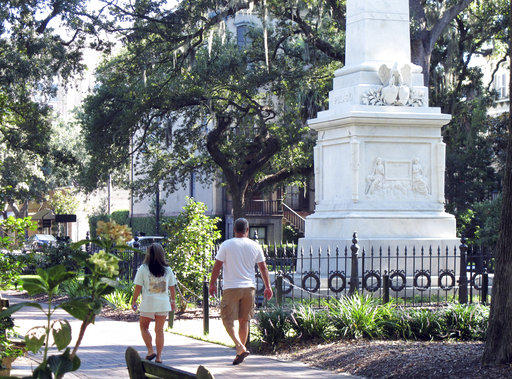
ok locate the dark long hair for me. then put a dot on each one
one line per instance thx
(155, 259)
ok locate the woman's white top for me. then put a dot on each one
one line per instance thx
(155, 289)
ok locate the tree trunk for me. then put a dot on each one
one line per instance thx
(239, 205)
(420, 54)
(498, 346)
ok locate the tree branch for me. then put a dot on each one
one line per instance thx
(502, 60)
(445, 19)
(279, 176)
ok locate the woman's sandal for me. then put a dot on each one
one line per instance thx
(150, 357)
(159, 362)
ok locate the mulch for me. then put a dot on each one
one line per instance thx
(397, 359)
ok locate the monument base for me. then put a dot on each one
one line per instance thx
(377, 225)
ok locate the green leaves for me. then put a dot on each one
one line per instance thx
(61, 364)
(61, 332)
(35, 338)
(34, 284)
(46, 281)
(192, 236)
(77, 308)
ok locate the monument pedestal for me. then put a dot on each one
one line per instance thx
(380, 156)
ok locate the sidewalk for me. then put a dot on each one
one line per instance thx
(104, 344)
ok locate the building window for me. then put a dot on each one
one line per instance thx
(502, 85)
(261, 231)
(241, 36)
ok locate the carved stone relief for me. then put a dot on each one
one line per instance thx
(398, 179)
(396, 88)
(344, 97)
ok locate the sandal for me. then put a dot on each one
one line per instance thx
(158, 362)
(240, 357)
(150, 356)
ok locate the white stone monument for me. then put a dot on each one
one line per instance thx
(380, 157)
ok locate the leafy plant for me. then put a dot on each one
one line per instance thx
(63, 202)
(10, 270)
(12, 232)
(357, 317)
(425, 324)
(74, 288)
(62, 253)
(99, 271)
(37, 338)
(310, 323)
(467, 322)
(273, 325)
(119, 299)
(191, 239)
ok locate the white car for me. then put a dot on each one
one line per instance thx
(144, 241)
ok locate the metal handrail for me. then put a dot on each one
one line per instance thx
(296, 219)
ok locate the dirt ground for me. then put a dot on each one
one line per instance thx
(397, 359)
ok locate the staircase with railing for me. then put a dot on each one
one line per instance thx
(295, 219)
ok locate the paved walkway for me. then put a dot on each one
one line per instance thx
(104, 344)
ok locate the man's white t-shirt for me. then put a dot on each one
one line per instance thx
(239, 255)
(155, 289)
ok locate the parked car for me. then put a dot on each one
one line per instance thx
(38, 241)
(144, 241)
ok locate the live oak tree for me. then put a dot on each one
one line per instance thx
(498, 346)
(39, 41)
(167, 46)
(225, 112)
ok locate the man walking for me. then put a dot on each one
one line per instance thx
(238, 256)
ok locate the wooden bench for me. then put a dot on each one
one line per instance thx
(142, 368)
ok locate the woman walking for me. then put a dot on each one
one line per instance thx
(155, 279)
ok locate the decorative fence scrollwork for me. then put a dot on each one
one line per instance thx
(314, 275)
(340, 276)
(397, 275)
(419, 274)
(372, 274)
(449, 275)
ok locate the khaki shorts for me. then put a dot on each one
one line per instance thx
(237, 304)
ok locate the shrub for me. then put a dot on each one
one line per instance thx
(119, 299)
(10, 270)
(191, 239)
(93, 221)
(309, 323)
(364, 317)
(357, 317)
(122, 295)
(273, 325)
(62, 253)
(121, 217)
(74, 288)
(467, 322)
(425, 324)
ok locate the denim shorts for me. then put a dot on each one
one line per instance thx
(152, 315)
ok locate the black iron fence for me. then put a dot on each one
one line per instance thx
(411, 275)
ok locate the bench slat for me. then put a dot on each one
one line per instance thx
(167, 372)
